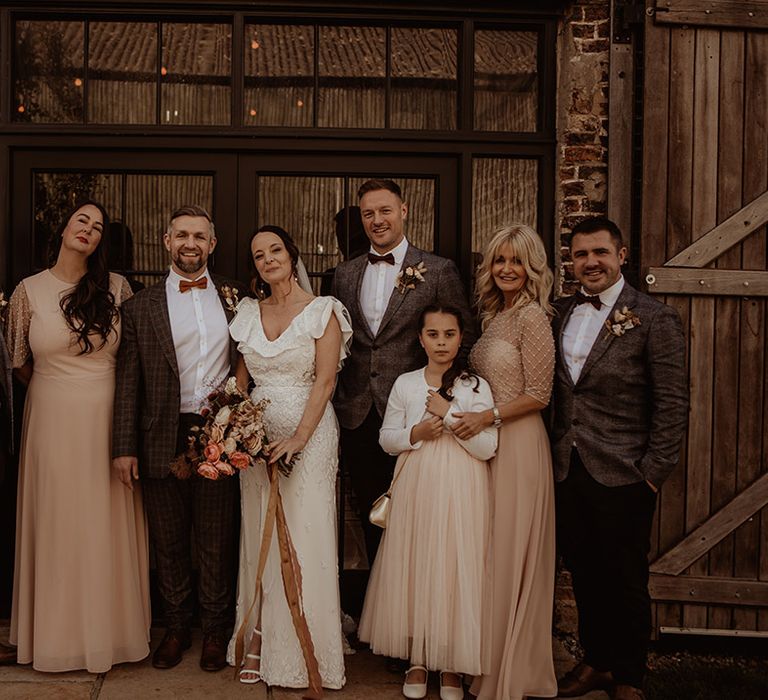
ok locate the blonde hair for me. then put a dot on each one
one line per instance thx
(528, 248)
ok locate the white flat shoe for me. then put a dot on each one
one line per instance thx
(416, 690)
(449, 692)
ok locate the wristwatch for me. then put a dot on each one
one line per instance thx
(496, 417)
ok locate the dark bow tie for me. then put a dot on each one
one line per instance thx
(373, 259)
(593, 299)
(186, 285)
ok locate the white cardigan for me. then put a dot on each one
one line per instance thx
(406, 408)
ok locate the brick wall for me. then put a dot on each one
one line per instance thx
(582, 121)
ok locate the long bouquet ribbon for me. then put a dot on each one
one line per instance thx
(292, 582)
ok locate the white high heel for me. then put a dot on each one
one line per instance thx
(416, 691)
(449, 692)
(255, 676)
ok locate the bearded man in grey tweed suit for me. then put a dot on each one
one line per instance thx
(620, 404)
(385, 342)
(175, 350)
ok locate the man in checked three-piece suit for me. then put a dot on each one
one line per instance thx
(620, 404)
(175, 350)
(385, 342)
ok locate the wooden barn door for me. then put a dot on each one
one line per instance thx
(705, 205)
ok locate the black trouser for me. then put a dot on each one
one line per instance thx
(370, 469)
(175, 509)
(604, 536)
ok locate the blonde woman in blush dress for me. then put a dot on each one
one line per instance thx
(515, 355)
(81, 584)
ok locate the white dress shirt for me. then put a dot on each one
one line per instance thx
(201, 339)
(584, 325)
(378, 285)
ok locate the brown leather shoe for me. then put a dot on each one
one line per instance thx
(214, 656)
(169, 653)
(582, 679)
(7, 655)
(627, 692)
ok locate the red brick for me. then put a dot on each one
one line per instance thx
(573, 188)
(572, 205)
(580, 138)
(583, 154)
(594, 45)
(567, 173)
(596, 12)
(603, 29)
(583, 31)
(593, 171)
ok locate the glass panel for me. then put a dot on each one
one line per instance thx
(506, 80)
(122, 72)
(352, 72)
(56, 193)
(419, 195)
(49, 72)
(196, 74)
(150, 200)
(504, 191)
(306, 207)
(424, 85)
(279, 74)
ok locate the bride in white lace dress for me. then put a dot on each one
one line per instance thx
(292, 344)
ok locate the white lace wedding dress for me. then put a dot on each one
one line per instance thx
(283, 371)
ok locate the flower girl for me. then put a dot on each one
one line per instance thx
(424, 597)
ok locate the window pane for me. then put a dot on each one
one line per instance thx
(504, 191)
(150, 200)
(122, 72)
(196, 74)
(306, 208)
(279, 74)
(49, 72)
(424, 84)
(419, 196)
(56, 193)
(506, 80)
(352, 74)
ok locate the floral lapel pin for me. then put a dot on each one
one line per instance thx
(231, 298)
(623, 320)
(409, 277)
(3, 305)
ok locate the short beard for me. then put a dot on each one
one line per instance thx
(189, 267)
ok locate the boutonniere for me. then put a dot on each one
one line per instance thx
(409, 277)
(622, 322)
(3, 306)
(231, 298)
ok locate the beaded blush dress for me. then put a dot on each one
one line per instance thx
(81, 577)
(515, 355)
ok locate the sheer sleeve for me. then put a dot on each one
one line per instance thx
(17, 329)
(537, 348)
(125, 291)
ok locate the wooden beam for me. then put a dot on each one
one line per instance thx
(714, 529)
(707, 281)
(724, 236)
(749, 14)
(705, 589)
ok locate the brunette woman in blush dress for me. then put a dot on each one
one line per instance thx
(515, 355)
(81, 588)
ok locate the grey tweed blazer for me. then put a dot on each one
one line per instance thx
(376, 361)
(147, 392)
(628, 411)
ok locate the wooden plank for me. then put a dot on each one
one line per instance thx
(697, 543)
(620, 88)
(729, 198)
(748, 538)
(707, 282)
(725, 235)
(749, 14)
(708, 589)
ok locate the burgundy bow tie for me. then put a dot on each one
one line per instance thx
(593, 299)
(186, 285)
(373, 259)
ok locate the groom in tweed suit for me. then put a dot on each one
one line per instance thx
(175, 350)
(385, 342)
(620, 410)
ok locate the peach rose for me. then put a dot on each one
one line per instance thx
(240, 460)
(208, 470)
(212, 452)
(224, 468)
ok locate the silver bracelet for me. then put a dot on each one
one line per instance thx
(496, 417)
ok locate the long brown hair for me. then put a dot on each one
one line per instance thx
(90, 308)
